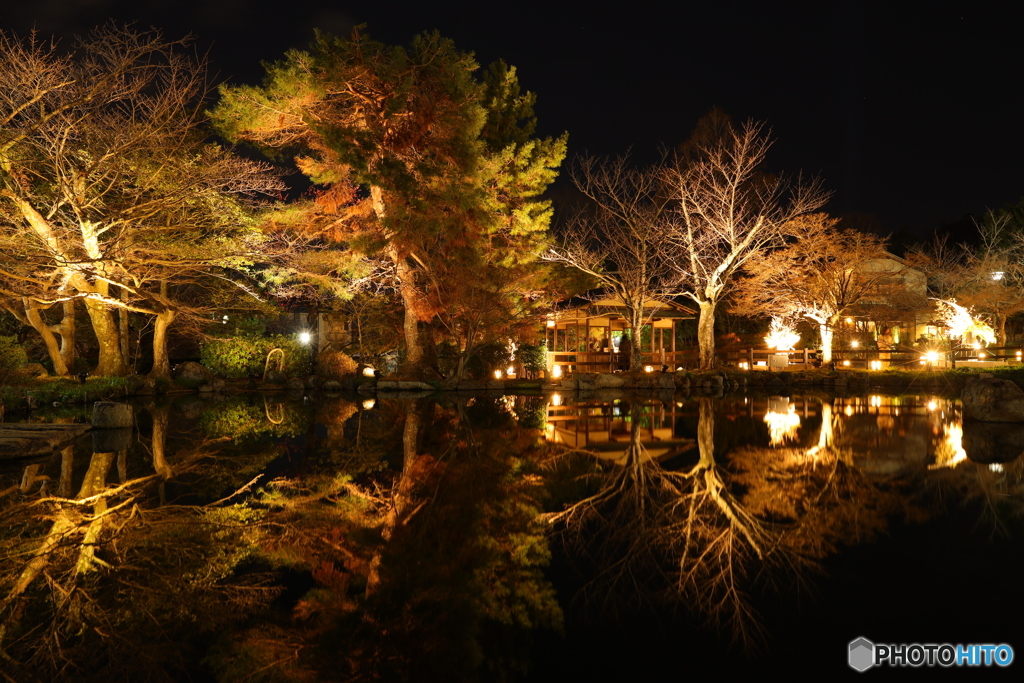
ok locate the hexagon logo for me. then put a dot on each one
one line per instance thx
(862, 654)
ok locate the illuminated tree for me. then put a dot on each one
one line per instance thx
(415, 159)
(817, 275)
(622, 237)
(108, 192)
(728, 213)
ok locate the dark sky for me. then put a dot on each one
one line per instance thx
(909, 113)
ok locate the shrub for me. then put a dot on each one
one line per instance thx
(245, 356)
(335, 365)
(488, 358)
(12, 355)
(532, 358)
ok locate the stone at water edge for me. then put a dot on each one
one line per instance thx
(190, 371)
(993, 400)
(110, 415)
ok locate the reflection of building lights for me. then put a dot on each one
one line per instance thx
(896, 412)
(848, 411)
(511, 370)
(875, 401)
(997, 275)
(497, 374)
(981, 354)
(369, 403)
(744, 365)
(933, 406)
(849, 321)
(368, 372)
(996, 467)
(556, 371)
(556, 399)
(875, 365)
(782, 427)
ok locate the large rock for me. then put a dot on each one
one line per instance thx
(988, 442)
(111, 440)
(607, 380)
(993, 400)
(110, 415)
(191, 371)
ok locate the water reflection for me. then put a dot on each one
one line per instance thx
(409, 539)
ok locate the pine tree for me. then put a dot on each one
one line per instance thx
(416, 159)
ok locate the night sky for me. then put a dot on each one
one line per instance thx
(911, 114)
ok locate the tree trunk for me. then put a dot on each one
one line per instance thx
(706, 334)
(67, 335)
(1000, 329)
(406, 275)
(35, 319)
(826, 330)
(111, 362)
(161, 361)
(636, 357)
(122, 321)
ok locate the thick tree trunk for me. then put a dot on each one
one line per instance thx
(161, 361)
(111, 362)
(406, 276)
(122, 329)
(35, 319)
(636, 357)
(66, 330)
(826, 330)
(706, 334)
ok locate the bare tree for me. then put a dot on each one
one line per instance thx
(622, 237)
(108, 191)
(817, 276)
(728, 212)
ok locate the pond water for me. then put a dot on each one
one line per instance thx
(533, 538)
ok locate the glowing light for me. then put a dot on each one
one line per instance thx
(932, 356)
(848, 411)
(960, 322)
(556, 371)
(782, 427)
(976, 346)
(368, 372)
(551, 323)
(875, 401)
(933, 406)
(744, 365)
(780, 336)
(497, 374)
(996, 467)
(997, 275)
(849, 321)
(950, 451)
(679, 369)
(648, 368)
(511, 370)
(556, 399)
(981, 354)
(305, 337)
(854, 344)
(875, 365)
(846, 363)
(369, 403)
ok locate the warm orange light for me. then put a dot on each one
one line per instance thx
(846, 363)
(556, 371)
(648, 368)
(854, 344)
(497, 374)
(551, 323)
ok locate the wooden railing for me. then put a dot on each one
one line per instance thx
(751, 358)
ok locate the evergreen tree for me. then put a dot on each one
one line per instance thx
(415, 158)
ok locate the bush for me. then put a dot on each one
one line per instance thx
(532, 358)
(12, 355)
(335, 365)
(245, 356)
(488, 358)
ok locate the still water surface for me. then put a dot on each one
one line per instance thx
(510, 538)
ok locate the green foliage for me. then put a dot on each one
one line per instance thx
(244, 356)
(12, 355)
(242, 420)
(488, 358)
(532, 357)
